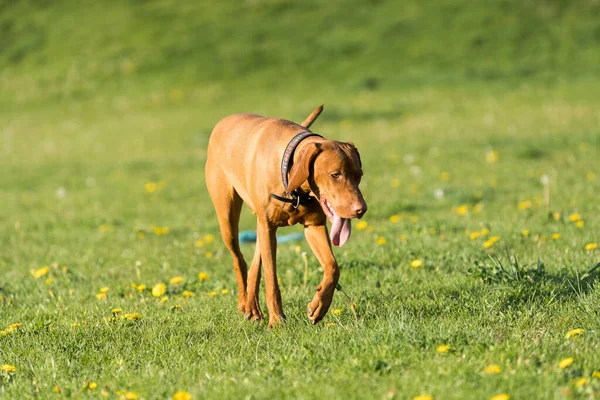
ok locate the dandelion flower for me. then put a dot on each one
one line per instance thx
(181, 395)
(176, 307)
(151, 187)
(361, 225)
(132, 317)
(596, 374)
(141, 288)
(490, 242)
(38, 273)
(8, 368)
(116, 310)
(337, 311)
(445, 176)
(574, 217)
(565, 362)
(92, 385)
(209, 238)
(492, 369)
(573, 332)
(591, 246)
(49, 281)
(188, 293)
(203, 276)
(395, 183)
(224, 292)
(502, 396)
(161, 230)
(416, 263)
(492, 156)
(423, 397)
(101, 296)
(208, 254)
(176, 280)
(381, 241)
(159, 289)
(581, 382)
(212, 294)
(443, 348)
(199, 243)
(394, 219)
(590, 176)
(524, 204)
(556, 216)
(75, 325)
(580, 224)
(164, 299)
(462, 210)
(525, 233)
(131, 396)
(485, 231)
(556, 236)
(104, 289)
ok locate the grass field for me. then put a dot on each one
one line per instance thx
(479, 131)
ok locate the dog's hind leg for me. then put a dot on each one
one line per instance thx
(253, 311)
(228, 206)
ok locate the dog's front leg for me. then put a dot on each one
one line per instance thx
(318, 240)
(268, 253)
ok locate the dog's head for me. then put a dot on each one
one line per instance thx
(333, 171)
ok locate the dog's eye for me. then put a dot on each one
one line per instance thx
(335, 175)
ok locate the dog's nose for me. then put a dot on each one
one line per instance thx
(360, 209)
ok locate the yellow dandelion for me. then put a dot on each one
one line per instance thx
(8, 368)
(203, 276)
(492, 369)
(490, 242)
(132, 317)
(423, 397)
(596, 374)
(416, 263)
(188, 293)
(104, 289)
(590, 176)
(106, 228)
(92, 385)
(580, 224)
(573, 332)
(485, 231)
(337, 311)
(574, 217)
(556, 216)
(151, 187)
(524, 204)
(565, 362)
(209, 238)
(492, 157)
(525, 233)
(181, 395)
(176, 280)
(444, 348)
(556, 236)
(502, 396)
(116, 310)
(395, 183)
(49, 281)
(381, 241)
(591, 246)
(161, 230)
(38, 273)
(164, 299)
(581, 382)
(75, 325)
(131, 396)
(394, 219)
(101, 296)
(212, 294)
(208, 254)
(474, 235)
(360, 225)
(224, 292)
(199, 243)
(141, 288)
(445, 176)
(176, 307)
(159, 289)
(56, 389)
(331, 324)
(462, 210)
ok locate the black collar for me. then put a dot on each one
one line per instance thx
(295, 197)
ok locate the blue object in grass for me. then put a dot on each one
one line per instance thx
(250, 237)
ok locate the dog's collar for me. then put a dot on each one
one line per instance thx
(296, 198)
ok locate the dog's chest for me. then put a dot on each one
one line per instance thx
(287, 215)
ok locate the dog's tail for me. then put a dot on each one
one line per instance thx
(312, 117)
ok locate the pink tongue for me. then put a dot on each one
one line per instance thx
(340, 230)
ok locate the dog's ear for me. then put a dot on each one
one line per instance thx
(301, 167)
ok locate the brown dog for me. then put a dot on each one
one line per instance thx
(249, 158)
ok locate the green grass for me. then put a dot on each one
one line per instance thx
(98, 99)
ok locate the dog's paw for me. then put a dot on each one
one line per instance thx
(319, 305)
(276, 320)
(252, 310)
